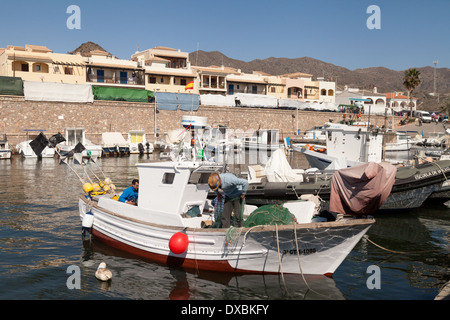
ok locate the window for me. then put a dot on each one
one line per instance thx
(152, 79)
(68, 70)
(254, 89)
(168, 178)
(37, 68)
(162, 80)
(25, 67)
(183, 82)
(323, 92)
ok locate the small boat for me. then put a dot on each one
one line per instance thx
(397, 141)
(113, 143)
(169, 226)
(74, 136)
(263, 139)
(138, 142)
(5, 151)
(26, 151)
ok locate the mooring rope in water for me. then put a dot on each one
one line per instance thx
(393, 251)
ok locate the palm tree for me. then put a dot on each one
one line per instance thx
(411, 80)
(445, 107)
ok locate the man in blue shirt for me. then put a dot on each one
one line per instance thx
(130, 194)
(234, 190)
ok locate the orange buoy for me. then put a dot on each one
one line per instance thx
(178, 243)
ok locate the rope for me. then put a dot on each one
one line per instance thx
(399, 252)
(299, 265)
(279, 259)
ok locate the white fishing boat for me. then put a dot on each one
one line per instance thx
(138, 142)
(5, 150)
(347, 146)
(26, 151)
(168, 226)
(397, 141)
(263, 139)
(74, 136)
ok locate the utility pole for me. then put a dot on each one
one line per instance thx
(435, 64)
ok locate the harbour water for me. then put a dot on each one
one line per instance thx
(40, 239)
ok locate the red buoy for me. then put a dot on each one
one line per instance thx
(178, 243)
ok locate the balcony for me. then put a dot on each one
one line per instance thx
(116, 80)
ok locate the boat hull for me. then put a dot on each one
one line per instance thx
(5, 154)
(264, 249)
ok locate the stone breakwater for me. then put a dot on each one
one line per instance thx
(17, 114)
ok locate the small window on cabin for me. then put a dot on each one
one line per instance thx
(183, 82)
(152, 79)
(168, 178)
(199, 178)
(25, 67)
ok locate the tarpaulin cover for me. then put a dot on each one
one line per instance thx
(256, 100)
(217, 100)
(173, 101)
(362, 189)
(11, 86)
(278, 168)
(110, 139)
(60, 92)
(188, 102)
(121, 94)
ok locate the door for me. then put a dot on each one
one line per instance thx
(230, 89)
(123, 77)
(100, 76)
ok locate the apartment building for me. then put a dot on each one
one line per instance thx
(159, 69)
(40, 64)
(166, 69)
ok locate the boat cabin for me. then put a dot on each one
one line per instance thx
(354, 143)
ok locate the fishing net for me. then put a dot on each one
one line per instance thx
(269, 215)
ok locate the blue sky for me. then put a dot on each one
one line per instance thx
(413, 33)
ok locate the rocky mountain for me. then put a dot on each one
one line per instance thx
(386, 80)
(87, 47)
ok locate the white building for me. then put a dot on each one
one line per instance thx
(375, 104)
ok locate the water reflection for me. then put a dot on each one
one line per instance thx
(137, 279)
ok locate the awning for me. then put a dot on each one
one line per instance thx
(11, 86)
(358, 99)
(121, 94)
